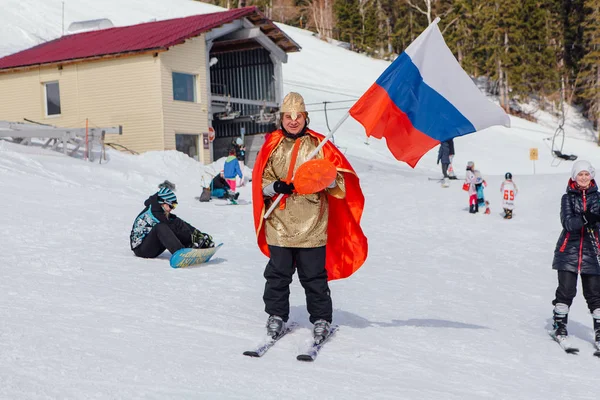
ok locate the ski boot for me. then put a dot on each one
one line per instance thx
(275, 326)
(445, 183)
(321, 330)
(561, 317)
(508, 214)
(472, 209)
(596, 316)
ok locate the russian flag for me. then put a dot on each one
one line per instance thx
(423, 98)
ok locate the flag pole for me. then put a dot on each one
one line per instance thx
(310, 156)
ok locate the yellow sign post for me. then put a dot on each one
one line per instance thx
(533, 156)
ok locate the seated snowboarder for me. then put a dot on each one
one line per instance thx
(221, 188)
(157, 229)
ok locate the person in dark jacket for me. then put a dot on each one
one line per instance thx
(577, 250)
(157, 229)
(220, 188)
(445, 155)
(240, 150)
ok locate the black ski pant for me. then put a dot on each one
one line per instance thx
(567, 289)
(445, 169)
(310, 263)
(173, 235)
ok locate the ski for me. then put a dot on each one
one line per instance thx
(597, 352)
(269, 342)
(563, 342)
(313, 350)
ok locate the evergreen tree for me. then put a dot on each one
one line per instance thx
(534, 68)
(589, 75)
(348, 22)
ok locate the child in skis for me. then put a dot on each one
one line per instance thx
(576, 251)
(470, 181)
(509, 191)
(156, 228)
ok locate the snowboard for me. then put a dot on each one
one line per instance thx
(234, 203)
(187, 257)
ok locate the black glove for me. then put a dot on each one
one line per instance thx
(280, 186)
(591, 218)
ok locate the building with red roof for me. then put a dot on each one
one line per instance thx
(192, 84)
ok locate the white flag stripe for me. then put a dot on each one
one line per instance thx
(441, 71)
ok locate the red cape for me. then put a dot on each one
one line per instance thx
(347, 246)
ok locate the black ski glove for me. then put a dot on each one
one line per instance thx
(280, 186)
(591, 218)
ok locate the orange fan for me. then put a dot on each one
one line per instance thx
(314, 176)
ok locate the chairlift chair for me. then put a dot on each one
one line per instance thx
(557, 153)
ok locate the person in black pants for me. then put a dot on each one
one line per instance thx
(445, 155)
(577, 250)
(157, 229)
(296, 236)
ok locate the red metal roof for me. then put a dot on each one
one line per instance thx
(126, 39)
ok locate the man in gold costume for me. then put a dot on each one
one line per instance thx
(318, 234)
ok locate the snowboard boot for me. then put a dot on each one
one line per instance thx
(321, 330)
(201, 240)
(275, 326)
(561, 316)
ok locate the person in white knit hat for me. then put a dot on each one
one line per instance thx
(577, 249)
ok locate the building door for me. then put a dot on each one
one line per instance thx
(187, 144)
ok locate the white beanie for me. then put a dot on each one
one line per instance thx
(582, 165)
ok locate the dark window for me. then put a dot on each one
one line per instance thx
(52, 99)
(187, 144)
(183, 87)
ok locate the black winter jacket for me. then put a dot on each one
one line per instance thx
(150, 216)
(577, 247)
(220, 183)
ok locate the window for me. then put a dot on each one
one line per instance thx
(52, 98)
(184, 87)
(187, 144)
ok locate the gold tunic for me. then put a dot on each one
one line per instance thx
(303, 222)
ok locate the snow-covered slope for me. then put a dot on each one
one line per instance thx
(448, 305)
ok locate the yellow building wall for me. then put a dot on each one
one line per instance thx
(182, 117)
(122, 91)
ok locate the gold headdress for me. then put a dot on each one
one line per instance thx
(294, 104)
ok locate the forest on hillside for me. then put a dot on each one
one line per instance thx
(542, 50)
